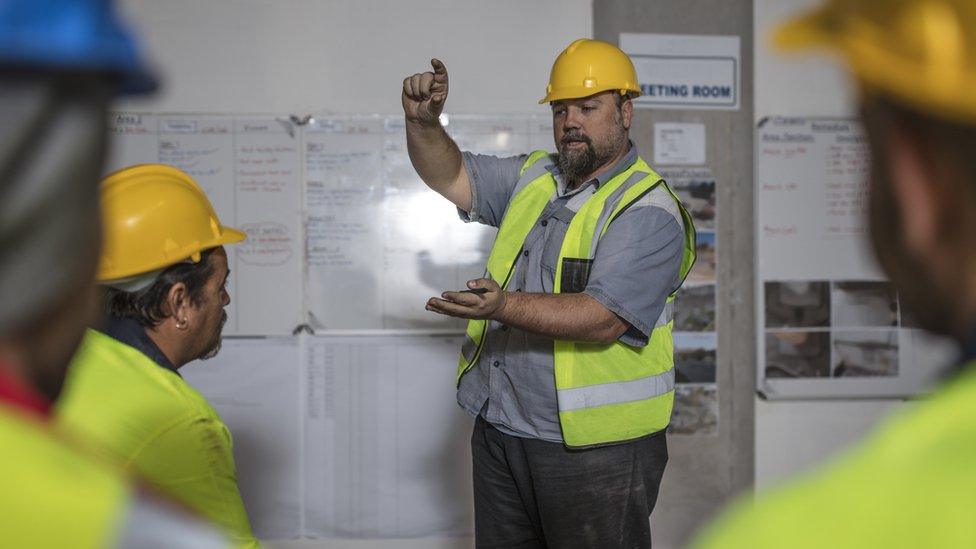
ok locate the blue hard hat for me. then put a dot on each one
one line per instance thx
(71, 35)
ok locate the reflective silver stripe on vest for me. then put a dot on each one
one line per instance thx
(611, 204)
(666, 315)
(533, 172)
(577, 201)
(661, 198)
(615, 393)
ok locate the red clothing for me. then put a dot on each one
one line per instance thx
(19, 394)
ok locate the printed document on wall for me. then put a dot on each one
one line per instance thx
(387, 450)
(678, 144)
(830, 325)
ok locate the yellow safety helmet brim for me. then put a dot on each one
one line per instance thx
(921, 53)
(580, 92)
(154, 216)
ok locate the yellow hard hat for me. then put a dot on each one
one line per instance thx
(922, 52)
(154, 216)
(587, 67)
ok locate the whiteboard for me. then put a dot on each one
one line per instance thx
(830, 325)
(342, 233)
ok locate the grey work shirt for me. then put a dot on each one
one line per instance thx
(636, 267)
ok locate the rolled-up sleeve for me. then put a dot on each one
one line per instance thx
(636, 267)
(492, 180)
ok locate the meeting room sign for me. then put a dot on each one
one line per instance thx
(680, 71)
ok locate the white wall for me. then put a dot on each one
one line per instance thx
(792, 436)
(350, 56)
(802, 84)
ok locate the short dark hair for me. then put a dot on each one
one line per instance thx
(949, 146)
(953, 141)
(147, 306)
(622, 98)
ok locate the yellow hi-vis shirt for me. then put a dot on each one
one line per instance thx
(51, 495)
(147, 418)
(912, 485)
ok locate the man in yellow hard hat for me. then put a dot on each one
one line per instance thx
(912, 483)
(568, 364)
(163, 270)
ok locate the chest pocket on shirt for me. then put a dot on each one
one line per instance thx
(575, 275)
(555, 232)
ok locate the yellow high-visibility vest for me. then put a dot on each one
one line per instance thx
(51, 495)
(147, 418)
(911, 484)
(605, 392)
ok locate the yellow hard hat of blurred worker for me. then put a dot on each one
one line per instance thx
(921, 52)
(587, 67)
(154, 216)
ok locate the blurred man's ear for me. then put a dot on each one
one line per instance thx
(915, 188)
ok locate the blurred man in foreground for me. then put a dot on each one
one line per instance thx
(913, 482)
(60, 64)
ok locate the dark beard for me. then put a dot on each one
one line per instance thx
(214, 347)
(575, 165)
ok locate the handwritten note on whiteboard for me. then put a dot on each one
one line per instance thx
(250, 169)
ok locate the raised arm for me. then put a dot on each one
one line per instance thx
(433, 153)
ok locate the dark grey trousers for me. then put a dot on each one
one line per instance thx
(530, 493)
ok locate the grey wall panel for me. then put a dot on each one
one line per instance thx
(704, 471)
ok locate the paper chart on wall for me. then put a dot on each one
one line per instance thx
(830, 324)
(386, 445)
(356, 437)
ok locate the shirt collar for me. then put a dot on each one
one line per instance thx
(621, 165)
(130, 332)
